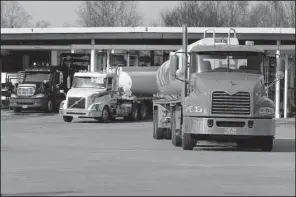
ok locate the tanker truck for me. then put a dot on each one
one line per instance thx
(214, 90)
(109, 94)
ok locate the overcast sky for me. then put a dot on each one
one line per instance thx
(61, 12)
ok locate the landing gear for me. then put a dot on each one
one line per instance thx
(142, 112)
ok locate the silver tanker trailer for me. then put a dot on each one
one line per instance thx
(113, 93)
(214, 90)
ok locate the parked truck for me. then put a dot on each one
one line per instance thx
(109, 94)
(214, 90)
(39, 88)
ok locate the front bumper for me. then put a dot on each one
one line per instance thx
(229, 126)
(80, 113)
(27, 103)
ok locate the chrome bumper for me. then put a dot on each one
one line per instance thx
(80, 113)
(221, 126)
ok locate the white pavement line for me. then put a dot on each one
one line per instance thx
(232, 165)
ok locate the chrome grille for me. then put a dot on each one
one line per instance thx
(25, 91)
(236, 104)
(76, 102)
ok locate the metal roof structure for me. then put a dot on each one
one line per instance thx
(135, 38)
(138, 33)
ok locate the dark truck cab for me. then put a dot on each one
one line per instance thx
(40, 88)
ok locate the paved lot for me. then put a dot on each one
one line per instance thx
(42, 155)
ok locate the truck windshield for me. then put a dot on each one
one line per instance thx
(36, 77)
(88, 82)
(248, 62)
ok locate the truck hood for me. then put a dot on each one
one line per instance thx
(83, 92)
(27, 85)
(227, 81)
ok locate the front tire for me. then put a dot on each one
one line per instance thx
(67, 118)
(188, 142)
(49, 106)
(17, 109)
(105, 115)
(266, 144)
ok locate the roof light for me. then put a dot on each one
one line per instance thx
(249, 43)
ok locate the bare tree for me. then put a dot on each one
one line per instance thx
(13, 15)
(289, 10)
(42, 24)
(206, 13)
(108, 13)
(272, 14)
(231, 14)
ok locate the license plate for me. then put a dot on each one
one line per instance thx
(230, 131)
(25, 106)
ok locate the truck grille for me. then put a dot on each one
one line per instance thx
(236, 104)
(25, 91)
(76, 102)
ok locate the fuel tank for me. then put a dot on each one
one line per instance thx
(165, 83)
(143, 80)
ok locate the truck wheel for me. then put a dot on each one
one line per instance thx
(168, 134)
(266, 144)
(134, 115)
(243, 144)
(176, 139)
(68, 118)
(142, 112)
(49, 106)
(188, 142)
(17, 109)
(105, 115)
(157, 132)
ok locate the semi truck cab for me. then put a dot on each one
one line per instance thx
(99, 95)
(39, 88)
(223, 95)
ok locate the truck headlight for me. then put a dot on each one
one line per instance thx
(39, 96)
(13, 96)
(194, 109)
(266, 111)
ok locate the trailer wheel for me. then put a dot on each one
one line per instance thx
(176, 139)
(134, 115)
(188, 142)
(67, 118)
(17, 109)
(266, 144)
(168, 134)
(157, 132)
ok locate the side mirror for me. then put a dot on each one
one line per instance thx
(62, 91)
(279, 75)
(68, 82)
(174, 61)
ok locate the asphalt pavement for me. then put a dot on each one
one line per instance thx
(42, 155)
